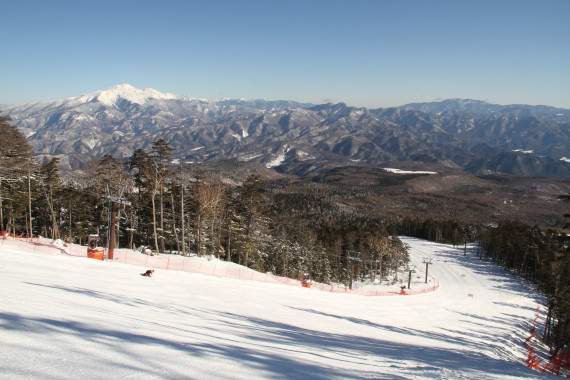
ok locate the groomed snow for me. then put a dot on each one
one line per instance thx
(64, 317)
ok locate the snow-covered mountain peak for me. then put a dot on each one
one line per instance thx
(127, 92)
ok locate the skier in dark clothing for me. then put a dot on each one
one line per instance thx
(148, 273)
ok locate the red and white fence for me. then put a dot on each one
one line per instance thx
(198, 265)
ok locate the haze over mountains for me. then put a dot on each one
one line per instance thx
(300, 138)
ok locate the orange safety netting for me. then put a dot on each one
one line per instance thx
(556, 363)
(211, 268)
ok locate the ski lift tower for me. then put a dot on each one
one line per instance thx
(427, 262)
(411, 270)
(118, 189)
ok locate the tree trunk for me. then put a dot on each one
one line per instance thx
(213, 235)
(199, 237)
(547, 325)
(112, 231)
(174, 224)
(69, 224)
(29, 203)
(182, 218)
(49, 199)
(219, 238)
(163, 249)
(154, 221)
(117, 227)
(132, 229)
(1, 208)
(189, 236)
(229, 257)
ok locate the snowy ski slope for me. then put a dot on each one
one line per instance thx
(65, 317)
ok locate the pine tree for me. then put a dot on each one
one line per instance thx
(566, 198)
(253, 208)
(561, 300)
(51, 185)
(16, 167)
(155, 171)
(110, 170)
(210, 202)
(137, 165)
(111, 179)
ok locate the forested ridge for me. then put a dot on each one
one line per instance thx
(180, 209)
(283, 226)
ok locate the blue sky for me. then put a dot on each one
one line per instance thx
(364, 53)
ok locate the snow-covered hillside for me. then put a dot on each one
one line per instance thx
(64, 317)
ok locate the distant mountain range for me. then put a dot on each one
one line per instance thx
(301, 138)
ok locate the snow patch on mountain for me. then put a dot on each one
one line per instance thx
(280, 158)
(243, 135)
(90, 141)
(524, 151)
(249, 157)
(303, 156)
(400, 171)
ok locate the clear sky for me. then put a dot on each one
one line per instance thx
(364, 53)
